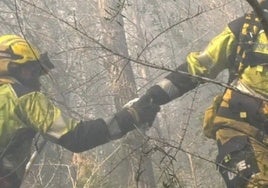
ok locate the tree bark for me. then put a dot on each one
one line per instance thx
(138, 169)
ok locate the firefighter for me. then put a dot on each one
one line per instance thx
(240, 120)
(25, 111)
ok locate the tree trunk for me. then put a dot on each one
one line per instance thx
(138, 167)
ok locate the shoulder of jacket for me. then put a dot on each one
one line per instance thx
(236, 26)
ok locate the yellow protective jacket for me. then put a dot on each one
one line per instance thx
(218, 55)
(253, 80)
(239, 122)
(24, 112)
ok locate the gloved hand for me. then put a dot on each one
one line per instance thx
(142, 110)
(139, 112)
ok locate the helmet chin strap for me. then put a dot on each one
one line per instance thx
(7, 80)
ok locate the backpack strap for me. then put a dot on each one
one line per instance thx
(246, 30)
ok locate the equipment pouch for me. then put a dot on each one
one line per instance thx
(236, 161)
(209, 116)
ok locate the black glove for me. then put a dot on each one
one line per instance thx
(137, 113)
(143, 110)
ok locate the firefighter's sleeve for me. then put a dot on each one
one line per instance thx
(92, 133)
(208, 63)
(37, 111)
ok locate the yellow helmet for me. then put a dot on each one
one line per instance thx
(17, 50)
